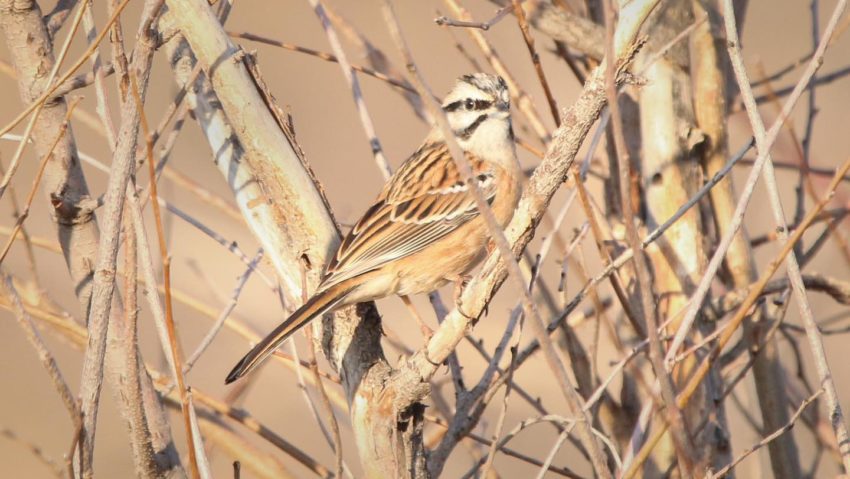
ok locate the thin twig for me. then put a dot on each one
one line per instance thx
(44, 354)
(13, 165)
(324, 56)
(203, 464)
(50, 91)
(501, 13)
(102, 107)
(341, 467)
(36, 450)
(25, 235)
(354, 84)
(244, 418)
(173, 341)
(500, 422)
(55, 19)
(775, 434)
(551, 456)
(225, 313)
(535, 58)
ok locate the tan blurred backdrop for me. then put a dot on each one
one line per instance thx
(777, 32)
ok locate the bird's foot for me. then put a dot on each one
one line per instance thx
(460, 285)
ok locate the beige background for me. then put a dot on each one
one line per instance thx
(776, 33)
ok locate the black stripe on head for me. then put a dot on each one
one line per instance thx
(481, 104)
(469, 130)
(453, 106)
(468, 104)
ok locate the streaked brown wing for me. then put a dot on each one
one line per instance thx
(425, 200)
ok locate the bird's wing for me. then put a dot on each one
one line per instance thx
(425, 200)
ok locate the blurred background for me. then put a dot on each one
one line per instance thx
(777, 34)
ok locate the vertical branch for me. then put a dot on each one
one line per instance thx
(128, 332)
(104, 274)
(675, 418)
(710, 71)
(72, 209)
(799, 290)
(99, 78)
(287, 212)
(174, 350)
(670, 175)
(535, 58)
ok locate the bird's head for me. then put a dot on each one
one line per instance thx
(479, 110)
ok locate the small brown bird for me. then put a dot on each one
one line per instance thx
(424, 229)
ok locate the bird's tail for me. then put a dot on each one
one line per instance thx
(319, 304)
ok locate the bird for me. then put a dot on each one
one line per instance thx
(424, 230)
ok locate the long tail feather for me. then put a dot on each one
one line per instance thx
(319, 304)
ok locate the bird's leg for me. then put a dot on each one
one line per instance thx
(427, 332)
(460, 284)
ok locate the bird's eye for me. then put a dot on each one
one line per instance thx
(469, 104)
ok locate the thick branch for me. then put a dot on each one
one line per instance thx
(278, 197)
(31, 51)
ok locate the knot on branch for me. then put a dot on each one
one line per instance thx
(629, 78)
(72, 211)
(625, 61)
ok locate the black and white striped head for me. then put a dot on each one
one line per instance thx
(478, 109)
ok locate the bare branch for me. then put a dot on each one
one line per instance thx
(44, 355)
(763, 143)
(104, 274)
(769, 438)
(357, 93)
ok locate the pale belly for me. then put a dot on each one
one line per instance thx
(447, 260)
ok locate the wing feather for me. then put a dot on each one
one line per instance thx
(424, 201)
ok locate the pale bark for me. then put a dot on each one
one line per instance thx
(710, 72)
(284, 208)
(670, 175)
(31, 49)
(384, 404)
